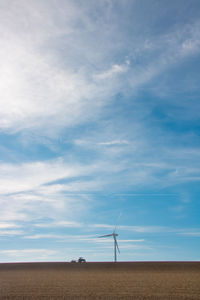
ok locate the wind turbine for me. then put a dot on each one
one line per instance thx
(114, 235)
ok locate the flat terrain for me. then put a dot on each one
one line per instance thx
(90, 281)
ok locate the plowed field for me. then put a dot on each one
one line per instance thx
(103, 281)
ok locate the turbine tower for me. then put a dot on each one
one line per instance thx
(114, 235)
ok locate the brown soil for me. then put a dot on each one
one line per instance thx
(103, 281)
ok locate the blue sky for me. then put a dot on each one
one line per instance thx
(99, 118)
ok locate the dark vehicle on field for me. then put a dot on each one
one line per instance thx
(81, 260)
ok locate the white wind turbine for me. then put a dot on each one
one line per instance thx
(114, 235)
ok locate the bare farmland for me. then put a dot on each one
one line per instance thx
(91, 281)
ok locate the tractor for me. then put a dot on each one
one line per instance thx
(81, 260)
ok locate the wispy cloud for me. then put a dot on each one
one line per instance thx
(141, 229)
(73, 184)
(61, 104)
(189, 233)
(8, 225)
(75, 238)
(115, 142)
(113, 71)
(11, 232)
(63, 224)
(110, 240)
(130, 247)
(10, 229)
(91, 143)
(28, 254)
(43, 236)
(34, 174)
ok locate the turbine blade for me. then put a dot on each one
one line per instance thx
(117, 222)
(105, 235)
(116, 243)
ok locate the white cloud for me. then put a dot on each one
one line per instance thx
(110, 240)
(115, 142)
(63, 224)
(130, 241)
(35, 188)
(45, 88)
(37, 91)
(142, 229)
(28, 186)
(93, 143)
(36, 94)
(28, 254)
(10, 229)
(35, 174)
(113, 71)
(129, 247)
(7, 225)
(61, 238)
(103, 226)
(10, 232)
(190, 233)
(43, 236)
